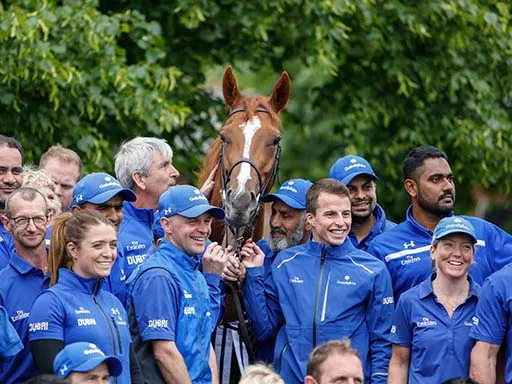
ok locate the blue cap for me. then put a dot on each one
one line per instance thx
(84, 357)
(348, 167)
(453, 224)
(98, 188)
(291, 192)
(187, 201)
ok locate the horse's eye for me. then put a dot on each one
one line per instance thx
(222, 138)
(277, 140)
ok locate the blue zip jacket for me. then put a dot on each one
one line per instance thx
(6, 246)
(316, 293)
(20, 284)
(493, 318)
(381, 225)
(183, 308)
(135, 235)
(406, 252)
(77, 309)
(440, 345)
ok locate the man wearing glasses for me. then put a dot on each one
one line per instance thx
(21, 281)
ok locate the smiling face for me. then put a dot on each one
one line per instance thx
(11, 172)
(453, 255)
(287, 226)
(188, 234)
(94, 256)
(331, 222)
(363, 197)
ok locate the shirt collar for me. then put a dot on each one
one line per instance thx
(22, 266)
(412, 221)
(337, 251)
(426, 289)
(183, 259)
(144, 215)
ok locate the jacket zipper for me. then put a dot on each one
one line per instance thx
(118, 335)
(281, 354)
(200, 318)
(110, 333)
(319, 285)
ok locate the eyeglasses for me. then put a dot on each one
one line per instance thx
(22, 221)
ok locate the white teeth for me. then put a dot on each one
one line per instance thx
(457, 263)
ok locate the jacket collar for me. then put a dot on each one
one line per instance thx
(22, 266)
(144, 215)
(184, 260)
(337, 251)
(417, 226)
(71, 279)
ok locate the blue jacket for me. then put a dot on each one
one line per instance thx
(20, 284)
(77, 309)
(6, 246)
(381, 225)
(440, 345)
(493, 318)
(406, 252)
(183, 308)
(135, 236)
(315, 294)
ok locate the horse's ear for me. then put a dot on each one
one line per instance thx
(230, 87)
(281, 92)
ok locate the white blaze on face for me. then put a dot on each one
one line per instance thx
(249, 129)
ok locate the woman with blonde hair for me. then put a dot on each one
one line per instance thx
(76, 308)
(41, 180)
(260, 374)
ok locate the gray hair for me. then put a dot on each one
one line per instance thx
(136, 155)
(26, 194)
(260, 374)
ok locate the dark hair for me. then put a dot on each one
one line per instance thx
(331, 186)
(11, 142)
(417, 157)
(47, 379)
(69, 227)
(460, 380)
(322, 352)
(26, 194)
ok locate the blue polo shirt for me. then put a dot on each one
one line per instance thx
(440, 346)
(493, 320)
(135, 235)
(20, 284)
(405, 250)
(6, 246)
(10, 343)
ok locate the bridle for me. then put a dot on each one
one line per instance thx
(262, 184)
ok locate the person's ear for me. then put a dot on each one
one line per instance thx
(310, 380)
(71, 249)
(6, 222)
(139, 180)
(411, 187)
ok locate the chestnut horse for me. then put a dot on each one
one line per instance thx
(247, 154)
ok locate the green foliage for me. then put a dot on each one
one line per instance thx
(371, 77)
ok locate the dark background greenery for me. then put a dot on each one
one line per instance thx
(374, 78)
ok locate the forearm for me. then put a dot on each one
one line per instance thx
(483, 368)
(398, 372)
(213, 366)
(170, 362)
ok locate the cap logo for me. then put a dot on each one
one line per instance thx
(94, 350)
(167, 211)
(291, 182)
(199, 197)
(109, 184)
(197, 192)
(457, 220)
(63, 369)
(288, 188)
(354, 165)
(108, 178)
(353, 161)
(79, 198)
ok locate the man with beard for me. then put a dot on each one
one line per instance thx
(368, 217)
(26, 218)
(428, 179)
(11, 175)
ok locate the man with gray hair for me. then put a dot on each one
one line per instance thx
(11, 175)
(23, 279)
(144, 165)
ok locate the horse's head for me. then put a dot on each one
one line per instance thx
(249, 147)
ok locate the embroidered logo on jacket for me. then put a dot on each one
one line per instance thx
(426, 322)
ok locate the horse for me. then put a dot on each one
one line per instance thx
(246, 153)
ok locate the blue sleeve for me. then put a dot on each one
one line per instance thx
(262, 303)
(374, 250)
(216, 296)
(490, 320)
(501, 245)
(6, 250)
(155, 298)
(117, 277)
(379, 317)
(400, 330)
(47, 318)
(10, 343)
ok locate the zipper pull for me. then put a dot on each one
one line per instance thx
(324, 255)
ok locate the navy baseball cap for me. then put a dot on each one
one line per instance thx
(98, 188)
(348, 167)
(187, 201)
(451, 225)
(292, 192)
(84, 357)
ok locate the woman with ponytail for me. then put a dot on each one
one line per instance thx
(76, 308)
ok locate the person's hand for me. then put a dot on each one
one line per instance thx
(207, 187)
(252, 255)
(234, 270)
(214, 259)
